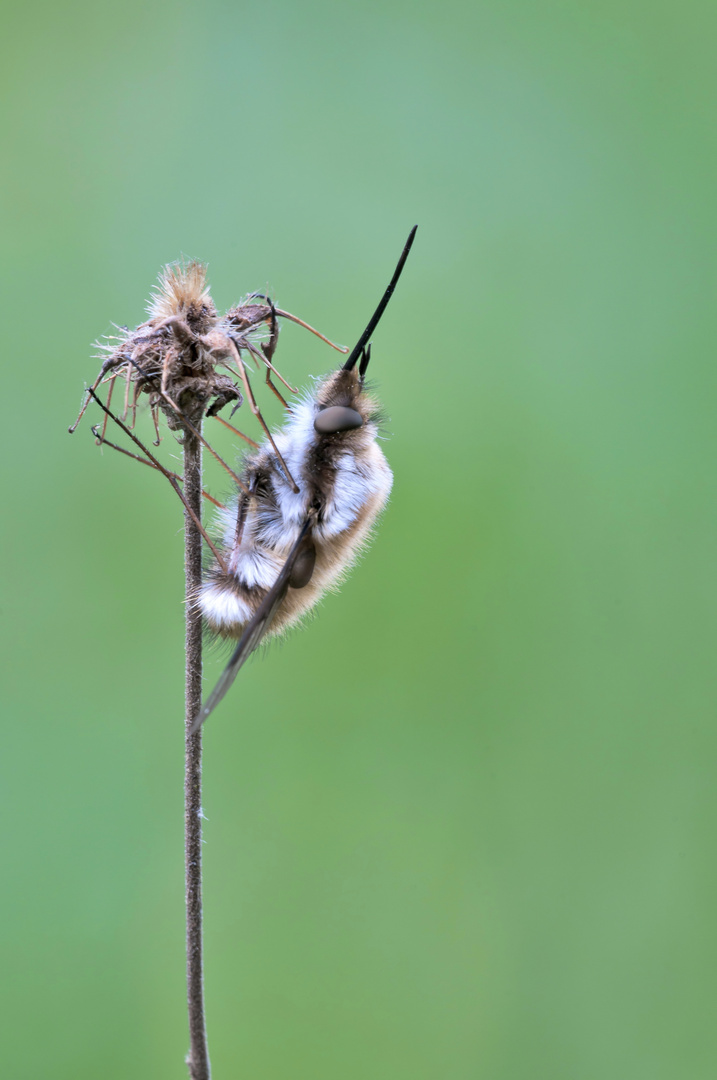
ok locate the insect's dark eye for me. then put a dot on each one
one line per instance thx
(337, 418)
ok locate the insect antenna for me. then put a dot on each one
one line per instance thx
(364, 361)
(359, 350)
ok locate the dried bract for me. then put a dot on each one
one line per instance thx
(181, 357)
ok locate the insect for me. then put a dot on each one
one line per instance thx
(282, 547)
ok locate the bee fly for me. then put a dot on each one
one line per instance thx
(306, 505)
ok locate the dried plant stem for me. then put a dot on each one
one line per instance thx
(198, 1057)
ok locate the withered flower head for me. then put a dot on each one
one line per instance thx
(182, 290)
(176, 356)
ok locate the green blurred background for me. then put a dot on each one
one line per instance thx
(462, 825)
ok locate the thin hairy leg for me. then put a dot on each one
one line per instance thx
(257, 413)
(167, 474)
(102, 441)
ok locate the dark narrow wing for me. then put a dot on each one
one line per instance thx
(254, 630)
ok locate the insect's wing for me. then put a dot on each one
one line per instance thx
(254, 630)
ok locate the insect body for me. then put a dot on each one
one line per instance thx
(282, 547)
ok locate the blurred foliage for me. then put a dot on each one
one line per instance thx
(462, 824)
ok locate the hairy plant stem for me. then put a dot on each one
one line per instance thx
(198, 1057)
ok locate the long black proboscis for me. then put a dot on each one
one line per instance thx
(255, 630)
(358, 349)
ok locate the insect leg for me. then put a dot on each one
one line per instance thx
(155, 420)
(102, 441)
(128, 383)
(168, 356)
(236, 431)
(185, 420)
(255, 409)
(269, 348)
(261, 358)
(109, 363)
(195, 431)
(269, 383)
(109, 399)
(169, 476)
(298, 321)
(135, 398)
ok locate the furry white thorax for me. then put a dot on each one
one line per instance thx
(359, 476)
(361, 485)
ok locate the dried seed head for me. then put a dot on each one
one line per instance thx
(174, 355)
(182, 291)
